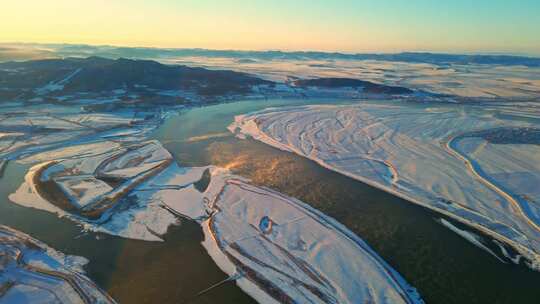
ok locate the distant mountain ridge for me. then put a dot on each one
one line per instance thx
(68, 50)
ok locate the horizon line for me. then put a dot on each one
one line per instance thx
(367, 52)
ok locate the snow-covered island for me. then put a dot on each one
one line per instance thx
(32, 272)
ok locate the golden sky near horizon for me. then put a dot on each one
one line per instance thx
(344, 25)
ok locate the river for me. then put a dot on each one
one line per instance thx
(443, 266)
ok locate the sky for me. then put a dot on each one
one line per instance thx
(328, 25)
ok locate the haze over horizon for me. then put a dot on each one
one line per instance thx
(338, 26)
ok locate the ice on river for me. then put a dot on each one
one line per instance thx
(460, 160)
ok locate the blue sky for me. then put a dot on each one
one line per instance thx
(339, 25)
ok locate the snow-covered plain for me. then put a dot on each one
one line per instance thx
(27, 132)
(457, 80)
(32, 272)
(433, 155)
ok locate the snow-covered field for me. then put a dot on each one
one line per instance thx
(459, 160)
(27, 132)
(32, 272)
(466, 81)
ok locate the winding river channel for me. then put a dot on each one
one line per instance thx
(444, 267)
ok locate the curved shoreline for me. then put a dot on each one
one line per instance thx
(244, 126)
(477, 172)
(23, 264)
(253, 286)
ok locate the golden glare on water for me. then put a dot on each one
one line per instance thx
(269, 167)
(208, 136)
(236, 163)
